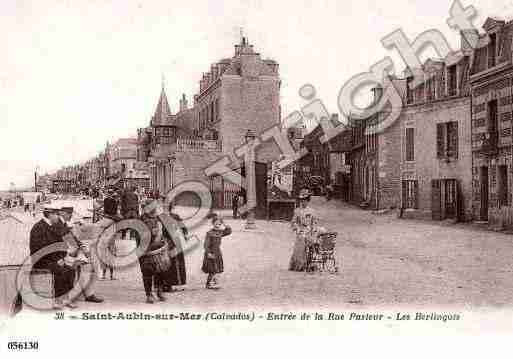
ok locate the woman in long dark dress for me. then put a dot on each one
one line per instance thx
(213, 258)
(303, 223)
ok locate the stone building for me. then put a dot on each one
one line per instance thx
(238, 94)
(436, 160)
(491, 81)
(123, 156)
(374, 158)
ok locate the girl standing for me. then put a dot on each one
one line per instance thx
(213, 258)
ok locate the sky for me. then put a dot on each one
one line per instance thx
(75, 74)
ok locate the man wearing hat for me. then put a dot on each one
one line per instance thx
(87, 282)
(43, 234)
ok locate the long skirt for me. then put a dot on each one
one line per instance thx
(63, 279)
(213, 265)
(298, 259)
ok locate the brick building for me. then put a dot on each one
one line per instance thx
(491, 80)
(238, 94)
(374, 158)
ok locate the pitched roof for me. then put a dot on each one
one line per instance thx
(162, 112)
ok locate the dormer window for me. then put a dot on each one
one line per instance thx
(452, 85)
(492, 50)
(409, 91)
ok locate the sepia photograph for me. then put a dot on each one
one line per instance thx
(209, 169)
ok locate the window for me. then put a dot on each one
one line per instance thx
(409, 90)
(453, 80)
(492, 116)
(492, 50)
(410, 145)
(217, 110)
(502, 184)
(447, 140)
(430, 91)
(410, 194)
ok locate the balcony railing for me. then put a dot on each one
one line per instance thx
(186, 144)
(490, 143)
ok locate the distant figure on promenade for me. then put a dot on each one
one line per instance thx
(213, 257)
(303, 224)
(43, 234)
(129, 207)
(111, 247)
(235, 205)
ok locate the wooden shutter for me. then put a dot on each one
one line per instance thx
(436, 205)
(454, 139)
(404, 194)
(416, 194)
(410, 144)
(440, 143)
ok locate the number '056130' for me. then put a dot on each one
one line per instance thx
(23, 345)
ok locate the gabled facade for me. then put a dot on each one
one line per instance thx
(435, 135)
(492, 93)
(237, 94)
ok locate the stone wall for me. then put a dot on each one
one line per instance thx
(389, 174)
(426, 166)
(247, 104)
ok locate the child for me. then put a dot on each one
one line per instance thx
(213, 258)
(77, 253)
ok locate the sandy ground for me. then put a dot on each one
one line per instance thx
(384, 261)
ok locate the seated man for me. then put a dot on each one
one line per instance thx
(43, 234)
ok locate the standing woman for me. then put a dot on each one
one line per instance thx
(177, 274)
(303, 224)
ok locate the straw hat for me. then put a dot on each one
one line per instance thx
(51, 208)
(304, 194)
(67, 209)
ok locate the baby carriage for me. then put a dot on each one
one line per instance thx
(320, 252)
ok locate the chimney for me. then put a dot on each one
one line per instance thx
(334, 119)
(183, 103)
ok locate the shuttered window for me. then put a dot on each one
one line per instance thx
(410, 192)
(447, 140)
(440, 140)
(410, 145)
(452, 139)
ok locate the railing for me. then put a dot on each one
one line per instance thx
(187, 144)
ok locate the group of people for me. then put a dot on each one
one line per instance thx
(55, 227)
(64, 262)
(70, 264)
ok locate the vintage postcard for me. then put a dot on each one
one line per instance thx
(274, 168)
